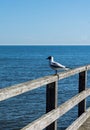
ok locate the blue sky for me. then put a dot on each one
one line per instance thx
(44, 22)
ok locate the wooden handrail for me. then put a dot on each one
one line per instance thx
(30, 85)
(79, 121)
(53, 112)
(53, 115)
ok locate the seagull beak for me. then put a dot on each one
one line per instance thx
(47, 58)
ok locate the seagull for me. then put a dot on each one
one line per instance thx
(55, 65)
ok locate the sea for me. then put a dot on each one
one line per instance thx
(20, 64)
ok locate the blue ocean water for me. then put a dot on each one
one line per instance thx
(23, 63)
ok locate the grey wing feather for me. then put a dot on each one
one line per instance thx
(55, 64)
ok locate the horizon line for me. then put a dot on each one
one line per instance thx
(44, 44)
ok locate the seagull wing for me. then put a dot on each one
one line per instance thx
(57, 65)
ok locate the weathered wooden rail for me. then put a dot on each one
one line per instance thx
(53, 112)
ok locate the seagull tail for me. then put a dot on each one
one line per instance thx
(67, 68)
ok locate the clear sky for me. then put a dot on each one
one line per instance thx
(42, 22)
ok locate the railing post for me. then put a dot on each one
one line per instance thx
(82, 86)
(51, 102)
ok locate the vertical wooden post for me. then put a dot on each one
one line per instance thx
(82, 86)
(51, 102)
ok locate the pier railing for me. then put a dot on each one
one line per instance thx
(53, 112)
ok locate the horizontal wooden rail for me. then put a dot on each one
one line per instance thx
(53, 115)
(77, 123)
(48, 120)
(30, 85)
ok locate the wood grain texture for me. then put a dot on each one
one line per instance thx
(30, 85)
(78, 123)
(53, 115)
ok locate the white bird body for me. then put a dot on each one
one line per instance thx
(55, 65)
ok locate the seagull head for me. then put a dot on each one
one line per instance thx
(50, 58)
